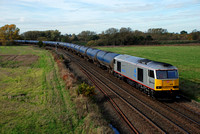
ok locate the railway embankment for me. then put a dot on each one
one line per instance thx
(138, 112)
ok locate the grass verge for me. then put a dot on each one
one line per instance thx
(34, 99)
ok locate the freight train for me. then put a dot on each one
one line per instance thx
(157, 79)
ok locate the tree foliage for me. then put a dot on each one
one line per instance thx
(157, 31)
(195, 35)
(51, 35)
(86, 35)
(8, 33)
(183, 32)
(40, 44)
(114, 37)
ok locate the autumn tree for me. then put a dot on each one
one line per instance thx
(86, 35)
(74, 37)
(183, 32)
(195, 35)
(111, 31)
(65, 38)
(55, 35)
(8, 33)
(124, 35)
(51, 35)
(157, 31)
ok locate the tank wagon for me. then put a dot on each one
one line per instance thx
(100, 56)
(83, 51)
(72, 47)
(108, 61)
(65, 45)
(76, 48)
(92, 54)
(156, 79)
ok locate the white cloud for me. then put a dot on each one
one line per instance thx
(73, 16)
(21, 19)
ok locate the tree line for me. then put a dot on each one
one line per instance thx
(109, 37)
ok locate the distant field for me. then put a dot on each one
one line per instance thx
(33, 98)
(186, 58)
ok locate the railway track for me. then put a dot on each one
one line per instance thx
(185, 112)
(115, 106)
(135, 109)
(115, 102)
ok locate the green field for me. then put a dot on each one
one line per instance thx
(185, 58)
(33, 98)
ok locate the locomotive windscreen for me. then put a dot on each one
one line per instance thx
(167, 74)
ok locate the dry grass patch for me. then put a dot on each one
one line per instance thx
(87, 111)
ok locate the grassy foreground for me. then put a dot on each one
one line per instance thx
(33, 98)
(185, 58)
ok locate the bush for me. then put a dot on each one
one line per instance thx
(86, 89)
(91, 43)
(40, 43)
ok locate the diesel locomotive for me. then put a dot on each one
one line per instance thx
(157, 79)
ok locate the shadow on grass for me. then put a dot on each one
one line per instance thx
(190, 89)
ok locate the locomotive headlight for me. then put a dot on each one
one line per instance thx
(158, 87)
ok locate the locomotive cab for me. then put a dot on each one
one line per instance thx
(157, 79)
(167, 82)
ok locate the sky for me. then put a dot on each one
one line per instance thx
(74, 16)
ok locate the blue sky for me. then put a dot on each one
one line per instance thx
(74, 16)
